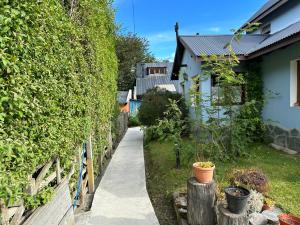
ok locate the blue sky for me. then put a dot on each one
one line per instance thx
(155, 19)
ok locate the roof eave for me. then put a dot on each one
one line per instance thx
(278, 45)
(265, 13)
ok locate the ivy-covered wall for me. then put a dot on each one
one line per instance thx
(58, 84)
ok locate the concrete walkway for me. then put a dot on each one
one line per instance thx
(122, 198)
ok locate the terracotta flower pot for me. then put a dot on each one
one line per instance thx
(286, 219)
(203, 175)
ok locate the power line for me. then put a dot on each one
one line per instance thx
(133, 15)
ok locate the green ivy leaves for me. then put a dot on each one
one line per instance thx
(57, 86)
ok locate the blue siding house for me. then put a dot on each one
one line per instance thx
(276, 46)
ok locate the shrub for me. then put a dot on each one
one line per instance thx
(57, 84)
(155, 103)
(250, 178)
(133, 121)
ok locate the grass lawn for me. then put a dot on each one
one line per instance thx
(163, 179)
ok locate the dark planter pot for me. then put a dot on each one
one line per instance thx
(236, 199)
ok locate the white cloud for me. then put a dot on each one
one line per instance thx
(215, 29)
(161, 37)
(168, 57)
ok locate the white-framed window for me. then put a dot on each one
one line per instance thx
(218, 92)
(295, 84)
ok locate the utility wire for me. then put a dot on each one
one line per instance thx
(133, 16)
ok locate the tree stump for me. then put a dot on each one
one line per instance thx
(200, 202)
(225, 217)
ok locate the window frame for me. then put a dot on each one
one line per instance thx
(219, 102)
(295, 83)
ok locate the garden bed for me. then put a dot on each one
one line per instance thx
(163, 179)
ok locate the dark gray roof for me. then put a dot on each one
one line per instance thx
(141, 67)
(278, 36)
(267, 6)
(263, 9)
(216, 45)
(151, 81)
(122, 96)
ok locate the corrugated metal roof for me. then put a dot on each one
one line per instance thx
(168, 87)
(216, 44)
(151, 81)
(278, 36)
(263, 9)
(122, 96)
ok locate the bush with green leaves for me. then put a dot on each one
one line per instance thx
(170, 128)
(58, 81)
(133, 121)
(154, 105)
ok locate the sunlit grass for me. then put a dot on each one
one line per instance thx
(282, 170)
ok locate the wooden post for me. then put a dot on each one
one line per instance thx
(227, 218)
(4, 214)
(58, 170)
(200, 202)
(31, 186)
(110, 142)
(18, 215)
(90, 168)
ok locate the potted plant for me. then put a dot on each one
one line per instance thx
(268, 204)
(204, 171)
(236, 198)
(287, 219)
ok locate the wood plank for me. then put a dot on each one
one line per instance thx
(42, 174)
(90, 168)
(53, 212)
(68, 218)
(4, 214)
(58, 170)
(18, 215)
(47, 180)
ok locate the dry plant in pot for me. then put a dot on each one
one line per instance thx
(204, 171)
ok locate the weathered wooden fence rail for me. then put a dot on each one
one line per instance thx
(61, 204)
(60, 210)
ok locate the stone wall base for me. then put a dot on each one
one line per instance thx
(285, 139)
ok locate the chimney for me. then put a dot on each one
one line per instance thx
(177, 29)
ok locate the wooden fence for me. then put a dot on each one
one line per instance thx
(16, 214)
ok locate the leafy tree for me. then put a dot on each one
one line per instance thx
(155, 104)
(131, 49)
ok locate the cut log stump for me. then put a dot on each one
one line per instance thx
(225, 217)
(200, 202)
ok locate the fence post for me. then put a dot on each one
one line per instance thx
(90, 168)
(58, 170)
(4, 214)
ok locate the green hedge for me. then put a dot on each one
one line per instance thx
(57, 85)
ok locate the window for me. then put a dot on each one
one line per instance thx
(218, 92)
(298, 84)
(295, 83)
(156, 70)
(266, 29)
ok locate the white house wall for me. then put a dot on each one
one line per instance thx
(193, 69)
